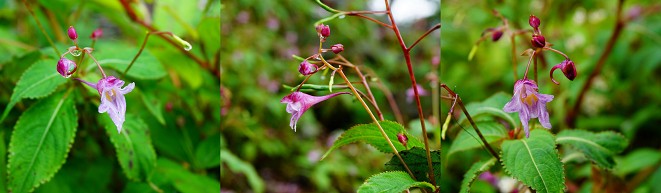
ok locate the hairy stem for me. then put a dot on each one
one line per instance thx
(470, 119)
(407, 57)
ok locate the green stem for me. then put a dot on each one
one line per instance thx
(50, 41)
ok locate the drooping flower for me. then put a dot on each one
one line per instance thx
(298, 103)
(410, 93)
(568, 68)
(66, 67)
(529, 103)
(112, 98)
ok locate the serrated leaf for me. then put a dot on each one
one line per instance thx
(395, 182)
(3, 169)
(370, 134)
(135, 152)
(473, 172)
(534, 161)
(40, 80)
(40, 142)
(416, 159)
(493, 106)
(154, 106)
(598, 147)
(468, 139)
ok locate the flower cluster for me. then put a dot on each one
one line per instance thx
(110, 88)
(299, 102)
(526, 100)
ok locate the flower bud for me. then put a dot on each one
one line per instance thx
(72, 33)
(495, 36)
(538, 41)
(402, 138)
(66, 67)
(534, 21)
(337, 48)
(568, 68)
(96, 34)
(324, 30)
(307, 68)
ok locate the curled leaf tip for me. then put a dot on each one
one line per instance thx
(186, 45)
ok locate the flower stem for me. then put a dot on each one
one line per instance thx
(407, 57)
(435, 27)
(142, 47)
(470, 119)
(362, 102)
(97, 64)
(514, 62)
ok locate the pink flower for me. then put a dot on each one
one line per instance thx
(410, 93)
(72, 33)
(298, 103)
(307, 68)
(96, 34)
(337, 48)
(112, 98)
(529, 103)
(568, 68)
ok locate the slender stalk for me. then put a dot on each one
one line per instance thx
(535, 69)
(142, 47)
(514, 62)
(470, 119)
(41, 27)
(617, 29)
(407, 57)
(435, 27)
(59, 34)
(97, 64)
(362, 102)
(367, 87)
(532, 55)
(389, 97)
(372, 19)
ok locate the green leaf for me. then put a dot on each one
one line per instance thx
(135, 152)
(534, 161)
(492, 106)
(38, 81)
(598, 147)
(637, 160)
(207, 153)
(468, 139)
(169, 172)
(3, 169)
(370, 134)
(473, 172)
(416, 159)
(154, 105)
(110, 55)
(41, 141)
(395, 181)
(239, 166)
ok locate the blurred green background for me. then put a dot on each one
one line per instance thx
(625, 97)
(259, 149)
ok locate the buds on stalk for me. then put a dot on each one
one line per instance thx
(96, 34)
(402, 138)
(72, 33)
(66, 67)
(568, 68)
(307, 68)
(337, 48)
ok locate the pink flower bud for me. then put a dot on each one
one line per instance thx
(324, 30)
(568, 68)
(306, 68)
(96, 34)
(538, 41)
(337, 48)
(72, 33)
(402, 138)
(66, 67)
(534, 21)
(495, 36)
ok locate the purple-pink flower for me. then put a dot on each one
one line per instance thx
(112, 98)
(529, 103)
(307, 68)
(410, 93)
(298, 103)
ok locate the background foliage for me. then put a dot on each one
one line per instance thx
(54, 140)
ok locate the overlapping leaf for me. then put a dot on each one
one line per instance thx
(41, 141)
(416, 160)
(473, 172)
(135, 152)
(534, 161)
(370, 134)
(396, 181)
(468, 139)
(598, 147)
